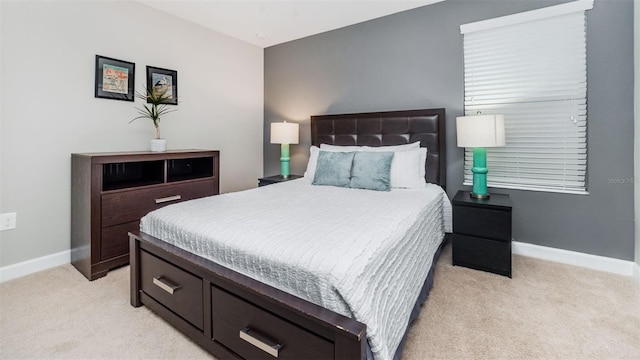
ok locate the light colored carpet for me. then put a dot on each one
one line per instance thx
(547, 311)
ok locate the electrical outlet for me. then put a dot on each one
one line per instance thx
(7, 221)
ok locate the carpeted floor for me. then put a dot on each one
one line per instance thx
(547, 311)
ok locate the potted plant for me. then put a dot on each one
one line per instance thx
(157, 108)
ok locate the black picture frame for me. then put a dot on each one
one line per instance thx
(155, 77)
(115, 79)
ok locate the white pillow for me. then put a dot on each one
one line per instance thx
(423, 163)
(407, 169)
(328, 147)
(313, 162)
(371, 148)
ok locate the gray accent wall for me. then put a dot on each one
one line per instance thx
(636, 52)
(414, 60)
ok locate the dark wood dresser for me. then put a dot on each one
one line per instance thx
(110, 192)
(482, 233)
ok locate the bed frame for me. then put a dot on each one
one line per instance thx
(234, 316)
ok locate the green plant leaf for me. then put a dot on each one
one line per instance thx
(157, 108)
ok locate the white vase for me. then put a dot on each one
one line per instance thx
(158, 145)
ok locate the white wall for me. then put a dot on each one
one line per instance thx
(49, 111)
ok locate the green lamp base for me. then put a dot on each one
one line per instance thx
(284, 160)
(479, 171)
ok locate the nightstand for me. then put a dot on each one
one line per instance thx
(276, 179)
(482, 232)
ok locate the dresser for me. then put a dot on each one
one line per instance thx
(110, 192)
(482, 232)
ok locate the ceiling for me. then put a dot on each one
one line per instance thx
(270, 22)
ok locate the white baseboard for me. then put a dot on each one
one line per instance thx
(636, 273)
(34, 265)
(602, 263)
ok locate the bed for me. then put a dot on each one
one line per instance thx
(255, 310)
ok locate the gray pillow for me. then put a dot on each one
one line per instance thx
(371, 171)
(333, 168)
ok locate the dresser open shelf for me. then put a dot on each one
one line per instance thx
(110, 192)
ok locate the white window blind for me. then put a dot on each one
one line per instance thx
(531, 67)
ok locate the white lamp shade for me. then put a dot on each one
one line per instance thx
(480, 131)
(284, 133)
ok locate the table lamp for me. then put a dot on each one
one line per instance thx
(480, 132)
(284, 133)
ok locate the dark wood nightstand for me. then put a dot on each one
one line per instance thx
(276, 179)
(482, 233)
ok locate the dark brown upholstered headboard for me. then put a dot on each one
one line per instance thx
(389, 128)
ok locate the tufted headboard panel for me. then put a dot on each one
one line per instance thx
(388, 128)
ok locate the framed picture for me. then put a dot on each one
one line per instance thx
(163, 81)
(114, 78)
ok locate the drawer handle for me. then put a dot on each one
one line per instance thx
(168, 198)
(165, 285)
(260, 342)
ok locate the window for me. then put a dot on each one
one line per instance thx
(532, 68)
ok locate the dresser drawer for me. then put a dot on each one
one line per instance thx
(254, 333)
(482, 254)
(115, 239)
(488, 223)
(173, 287)
(126, 206)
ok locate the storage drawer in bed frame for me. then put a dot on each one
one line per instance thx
(253, 332)
(177, 289)
(231, 315)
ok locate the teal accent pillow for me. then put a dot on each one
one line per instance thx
(333, 168)
(372, 171)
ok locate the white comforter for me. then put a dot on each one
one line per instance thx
(364, 254)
